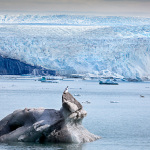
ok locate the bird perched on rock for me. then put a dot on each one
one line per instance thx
(66, 90)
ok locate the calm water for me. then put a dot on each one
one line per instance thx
(122, 126)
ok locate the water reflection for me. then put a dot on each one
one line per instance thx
(35, 146)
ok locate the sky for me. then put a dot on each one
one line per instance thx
(97, 7)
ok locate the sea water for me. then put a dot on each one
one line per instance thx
(122, 125)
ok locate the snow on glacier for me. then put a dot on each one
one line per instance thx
(78, 44)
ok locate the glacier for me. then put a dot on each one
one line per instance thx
(78, 44)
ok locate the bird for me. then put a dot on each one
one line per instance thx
(66, 90)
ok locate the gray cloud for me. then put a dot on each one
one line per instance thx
(100, 7)
(129, 0)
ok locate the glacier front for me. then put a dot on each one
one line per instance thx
(78, 44)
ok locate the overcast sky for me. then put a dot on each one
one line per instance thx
(98, 7)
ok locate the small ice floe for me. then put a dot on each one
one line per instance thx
(114, 101)
(142, 96)
(45, 80)
(108, 82)
(77, 95)
(86, 102)
(68, 79)
(76, 88)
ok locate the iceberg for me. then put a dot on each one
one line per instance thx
(47, 125)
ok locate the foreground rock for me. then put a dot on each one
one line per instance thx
(47, 125)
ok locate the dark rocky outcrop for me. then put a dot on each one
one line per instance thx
(10, 66)
(47, 125)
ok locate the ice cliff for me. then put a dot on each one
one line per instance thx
(78, 44)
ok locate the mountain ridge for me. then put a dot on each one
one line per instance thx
(9, 66)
